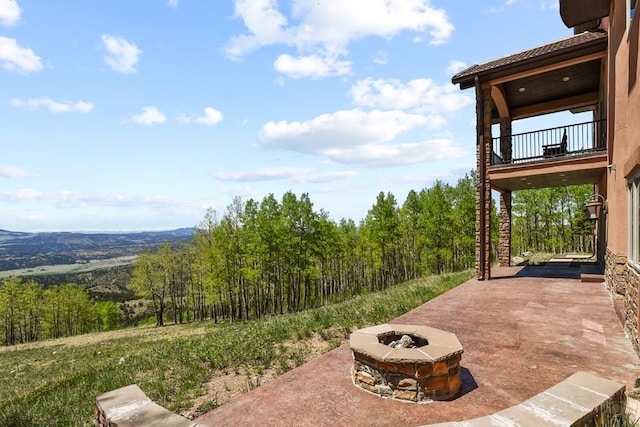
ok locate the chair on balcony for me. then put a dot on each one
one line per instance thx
(553, 150)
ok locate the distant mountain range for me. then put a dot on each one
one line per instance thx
(20, 250)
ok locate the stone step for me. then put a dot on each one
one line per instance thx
(130, 407)
(592, 278)
(580, 400)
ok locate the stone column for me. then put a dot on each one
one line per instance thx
(479, 215)
(484, 105)
(504, 244)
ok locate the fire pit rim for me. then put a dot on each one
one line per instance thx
(441, 344)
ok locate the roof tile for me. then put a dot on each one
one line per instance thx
(557, 46)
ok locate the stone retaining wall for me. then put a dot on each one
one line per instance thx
(581, 400)
(622, 282)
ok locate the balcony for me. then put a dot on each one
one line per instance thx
(550, 144)
(545, 158)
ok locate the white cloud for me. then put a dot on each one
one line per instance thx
(265, 24)
(343, 128)
(381, 58)
(149, 116)
(455, 67)
(396, 154)
(311, 66)
(550, 4)
(322, 31)
(121, 56)
(9, 12)
(420, 95)
(34, 104)
(10, 171)
(17, 58)
(361, 138)
(297, 175)
(337, 21)
(22, 194)
(71, 199)
(211, 117)
(508, 3)
(172, 3)
(244, 191)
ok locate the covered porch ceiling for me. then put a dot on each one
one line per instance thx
(563, 75)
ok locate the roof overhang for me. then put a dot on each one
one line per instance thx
(577, 12)
(563, 75)
(563, 51)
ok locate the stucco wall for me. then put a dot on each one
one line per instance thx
(623, 280)
(624, 149)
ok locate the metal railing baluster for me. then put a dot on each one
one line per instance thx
(543, 144)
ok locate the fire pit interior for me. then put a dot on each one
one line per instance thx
(402, 341)
(406, 362)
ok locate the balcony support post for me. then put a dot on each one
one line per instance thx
(483, 193)
(505, 140)
(504, 244)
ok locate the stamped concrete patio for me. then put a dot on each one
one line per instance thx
(522, 332)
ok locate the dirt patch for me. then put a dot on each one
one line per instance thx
(225, 386)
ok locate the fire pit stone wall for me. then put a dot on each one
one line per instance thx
(426, 370)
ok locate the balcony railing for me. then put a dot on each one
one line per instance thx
(558, 142)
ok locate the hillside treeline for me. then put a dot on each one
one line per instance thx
(552, 220)
(269, 257)
(277, 256)
(31, 313)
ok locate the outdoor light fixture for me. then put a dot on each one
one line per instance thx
(594, 205)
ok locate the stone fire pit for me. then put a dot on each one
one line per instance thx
(406, 362)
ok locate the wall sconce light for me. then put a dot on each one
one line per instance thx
(595, 206)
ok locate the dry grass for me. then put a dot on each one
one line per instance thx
(186, 368)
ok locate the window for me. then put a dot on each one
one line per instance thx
(629, 13)
(634, 221)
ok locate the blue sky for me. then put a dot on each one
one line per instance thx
(139, 115)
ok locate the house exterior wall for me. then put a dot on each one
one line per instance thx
(624, 159)
(620, 141)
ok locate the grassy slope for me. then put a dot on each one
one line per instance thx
(55, 382)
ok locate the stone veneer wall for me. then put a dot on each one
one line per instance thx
(623, 282)
(504, 244)
(408, 380)
(483, 189)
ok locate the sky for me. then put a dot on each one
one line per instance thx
(139, 115)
